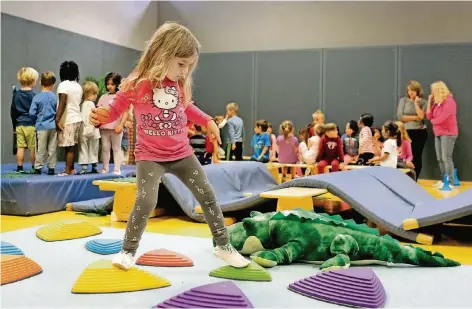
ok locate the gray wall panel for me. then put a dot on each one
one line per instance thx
(357, 81)
(224, 78)
(453, 65)
(288, 86)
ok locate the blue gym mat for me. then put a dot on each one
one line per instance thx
(231, 182)
(27, 194)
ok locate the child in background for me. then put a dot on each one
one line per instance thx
(377, 141)
(68, 117)
(112, 133)
(260, 142)
(198, 143)
(43, 109)
(318, 118)
(405, 152)
(389, 155)
(331, 149)
(273, 143)
(211, 149)
(350, 142)
(164, 72)
(23, 122)
(309, 147)
(235, 133)
(287, 146)
(366, 147)
(221, 121)
(90, 136)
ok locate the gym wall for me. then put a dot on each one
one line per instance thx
(284, 60)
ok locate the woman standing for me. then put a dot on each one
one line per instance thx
(411, 111)
(442, 112)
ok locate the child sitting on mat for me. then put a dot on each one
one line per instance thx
(331, 149)
(160, 89)
(350, 142)
(389, 155)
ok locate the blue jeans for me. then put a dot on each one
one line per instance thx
(444, 148)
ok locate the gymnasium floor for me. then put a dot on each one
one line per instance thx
(458, 248)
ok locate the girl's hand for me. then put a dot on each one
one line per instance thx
(213, 128)
(410, 165)
(417, 100)
(99, 116)
(118, 129)
(430, 98)
(128, 124)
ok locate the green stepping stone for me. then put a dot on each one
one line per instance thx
(253, 272)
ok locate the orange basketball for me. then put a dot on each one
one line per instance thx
(102, 115)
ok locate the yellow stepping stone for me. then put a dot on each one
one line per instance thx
(66, 230)
(102, 277)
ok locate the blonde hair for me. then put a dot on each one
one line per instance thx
(27, 76)
(440, 91)
(286, 127)
(233, 107)
(219, 118)
(403, 131)
(414, 85)
(329, 127)
(170, 40)
(318, 113)
(89, 88)
(319, 129)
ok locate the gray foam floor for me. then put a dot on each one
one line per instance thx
(63, 262)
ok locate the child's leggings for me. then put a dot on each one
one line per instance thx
(111, 141)
(190, 172)
(323, 163)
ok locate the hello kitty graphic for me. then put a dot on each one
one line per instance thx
(166, 99)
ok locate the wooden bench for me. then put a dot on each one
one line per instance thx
(124, 200)
(292, 198)
(356, 167)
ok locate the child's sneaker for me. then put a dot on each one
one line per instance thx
(123, 260)
(51, 172)
(37, 171)
(228, 254)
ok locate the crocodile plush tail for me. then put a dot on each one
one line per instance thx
(419, 256)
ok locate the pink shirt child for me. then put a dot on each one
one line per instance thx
(105, 101)
(443, 117)
(161, 120)
(287, 149)
(406, 153)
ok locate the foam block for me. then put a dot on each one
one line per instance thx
(102, 277)
(253, 272)
(164, 258)
(65, 230)
(17, 267)
(104, 246)
(8, 248)
(223, 294)
(353, 287)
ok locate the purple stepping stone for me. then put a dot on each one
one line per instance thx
(353, 287)
(223, 294)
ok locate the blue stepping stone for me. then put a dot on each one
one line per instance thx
(104, 246)
(8, 248)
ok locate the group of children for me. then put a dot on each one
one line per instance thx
(44, 121)
(318, 143)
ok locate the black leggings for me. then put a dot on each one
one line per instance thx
(418, 140)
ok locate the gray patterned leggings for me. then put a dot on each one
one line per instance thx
(190, 172)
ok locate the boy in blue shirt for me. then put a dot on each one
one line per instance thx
(23, 123)
(261, 142)
(43, 109)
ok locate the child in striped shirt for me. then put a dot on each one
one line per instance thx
(366, 147)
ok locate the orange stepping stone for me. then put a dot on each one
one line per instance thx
(164, 258)
(18, 267)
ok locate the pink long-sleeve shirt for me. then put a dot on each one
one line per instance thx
(443, 117)
(161, 120)
(406, 153)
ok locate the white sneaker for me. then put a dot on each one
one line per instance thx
(231, 256)
(117, 173)
(123, 260)
(438, 184)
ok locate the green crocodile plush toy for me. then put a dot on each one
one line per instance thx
(282, 238)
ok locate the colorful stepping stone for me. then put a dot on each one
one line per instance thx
(102, 277)
(104, 246)
(17, 267)
(353, 287)
(225, 294)
(164, 258)
(253, 272)
(66, 230)
(8, 248)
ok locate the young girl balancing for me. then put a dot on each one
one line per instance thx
(160, 90)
